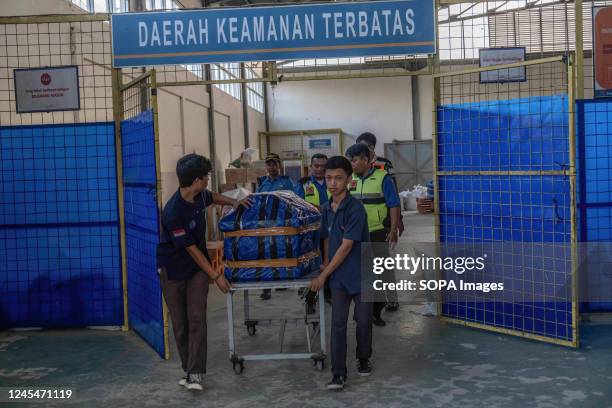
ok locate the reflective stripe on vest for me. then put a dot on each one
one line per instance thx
(370, 192)
(311, 193)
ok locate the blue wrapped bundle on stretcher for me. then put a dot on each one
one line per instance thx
(277, 238)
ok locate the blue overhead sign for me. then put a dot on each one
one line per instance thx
(274, 33)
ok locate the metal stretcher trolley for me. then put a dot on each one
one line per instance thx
(312, 325)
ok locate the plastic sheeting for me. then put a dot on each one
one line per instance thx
(507, 135)
(142, 229)
(515, 134)
(277, 209)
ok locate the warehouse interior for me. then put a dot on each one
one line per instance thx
(80, 302)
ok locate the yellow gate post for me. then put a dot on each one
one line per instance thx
(118, 116)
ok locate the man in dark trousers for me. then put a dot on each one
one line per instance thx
(313, 190)
(375, 189)
(344, 230)
(379, 162)
(274, 181)
(184, 264)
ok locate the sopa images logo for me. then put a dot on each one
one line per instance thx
(45, 79)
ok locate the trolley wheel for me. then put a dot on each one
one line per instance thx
(238, 367)
(319, 361)
(237, 364)
(251, 327)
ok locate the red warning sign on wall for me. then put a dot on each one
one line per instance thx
(602, 51)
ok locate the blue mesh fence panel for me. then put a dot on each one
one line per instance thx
(59, 238)
(594, 161)
(142, 229)
(520, 134)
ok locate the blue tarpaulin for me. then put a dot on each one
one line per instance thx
(270, 210)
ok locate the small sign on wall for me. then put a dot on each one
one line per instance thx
(319, 144)
(602, 51)
(489, 57)
(47, 89)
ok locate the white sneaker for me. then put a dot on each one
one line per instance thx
(194, 382)
(183, 381)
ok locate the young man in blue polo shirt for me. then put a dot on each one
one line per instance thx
(344, 228)
(184, 264)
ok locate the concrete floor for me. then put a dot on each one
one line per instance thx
(417, 361)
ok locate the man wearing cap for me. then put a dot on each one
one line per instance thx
(274, 181)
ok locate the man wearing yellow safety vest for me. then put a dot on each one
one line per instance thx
(314, 190)
(375, 189)
(369, 139)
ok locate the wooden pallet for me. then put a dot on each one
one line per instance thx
(425, 205)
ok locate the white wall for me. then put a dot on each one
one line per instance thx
(257, 123)
(426, 106)
(382, 106)
(32, 7)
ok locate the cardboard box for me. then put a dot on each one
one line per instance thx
(254, 173)
(258, 164)
(227, 187)
(235, 176)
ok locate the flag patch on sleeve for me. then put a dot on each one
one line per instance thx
(177, 233)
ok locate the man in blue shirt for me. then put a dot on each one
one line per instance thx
(313, 188)
(375, 188)
(184, 264)
(369, 139)
(274, 181)
(344, 230)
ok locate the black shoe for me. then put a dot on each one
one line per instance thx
(364, 368)
(378, 321)
(337, 383)
(194, 382)
(392, 307)
(266, 294)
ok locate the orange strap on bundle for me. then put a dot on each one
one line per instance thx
(272, 231)
(277, 263)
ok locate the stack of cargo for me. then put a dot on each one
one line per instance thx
(277, 238)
